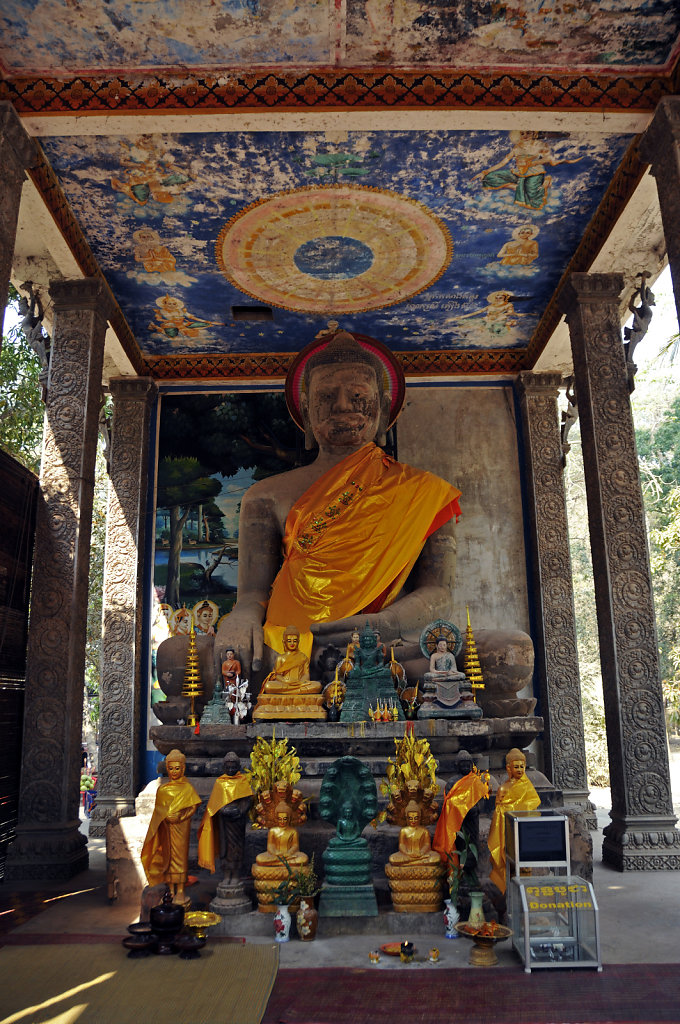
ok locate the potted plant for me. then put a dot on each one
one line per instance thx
(307, 886)
(461, 868)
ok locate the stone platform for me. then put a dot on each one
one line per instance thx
(318, 744)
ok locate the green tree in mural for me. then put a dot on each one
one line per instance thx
(183, 483)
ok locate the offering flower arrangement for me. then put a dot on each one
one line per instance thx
(490, 929)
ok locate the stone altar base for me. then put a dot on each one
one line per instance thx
(348, 901)
(231, 899)
(466, 710)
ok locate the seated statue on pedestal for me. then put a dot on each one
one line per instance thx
(446, 693)
(355, 524)
(415, 871)
(288, 692)
(369, 681)
(283, 845)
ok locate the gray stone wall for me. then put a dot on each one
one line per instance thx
(468, 435)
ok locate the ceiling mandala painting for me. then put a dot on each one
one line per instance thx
(437, 240)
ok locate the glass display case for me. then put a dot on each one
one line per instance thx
(554, 921)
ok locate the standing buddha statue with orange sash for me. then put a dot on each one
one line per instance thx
(517, 793)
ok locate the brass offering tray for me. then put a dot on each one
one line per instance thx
(484, 938)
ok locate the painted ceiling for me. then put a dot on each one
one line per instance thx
(218, 243)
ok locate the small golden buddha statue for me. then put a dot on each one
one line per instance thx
(415, 871)
(283, 848)
(415, 845)
(282, 841)
(165, 852)
(288, 692)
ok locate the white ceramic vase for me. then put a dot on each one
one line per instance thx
(451, 918)
(282, 923)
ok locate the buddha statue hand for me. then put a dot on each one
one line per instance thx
(241, 632)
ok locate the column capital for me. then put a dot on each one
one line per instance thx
(549, 382)
(590, 289)
(82, 293)
(662, 131)
(133, 389)
(15, 143)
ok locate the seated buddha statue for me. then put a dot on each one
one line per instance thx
(282, 841)
(415, 872)
(288, 692)
(446, 693)
(271, 867)
(415, 846)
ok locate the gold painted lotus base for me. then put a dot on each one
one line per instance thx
(289, 706)
(416, 888)
(267, 878)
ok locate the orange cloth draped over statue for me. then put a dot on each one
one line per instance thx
(460, 799)
(351, 540)
(521, 796)
(226, 789)
(167, 840)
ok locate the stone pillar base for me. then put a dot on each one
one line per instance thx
(109, 807)
(47, 851)
(231, 899)
(642, 843)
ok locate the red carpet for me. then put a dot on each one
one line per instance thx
(621, 994)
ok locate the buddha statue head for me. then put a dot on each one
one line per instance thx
(283, 814)
(413, 814)
(515, 763)
(343, 402)
(231, 764)
(291, 639)
(175, 765)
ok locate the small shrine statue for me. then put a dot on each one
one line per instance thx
(282, 840)
(460, 808)
(446, 693)
(231, 668)
(280, 810)
(517, 793)
(415, 871)
(223, 833)
(165, 852)
(349, 799)
(288, 692)
(415, 846)
(368, 681)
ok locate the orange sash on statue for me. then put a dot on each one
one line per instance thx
(171, 799)
(459, 800)
(352, 539)
(520, 796)
(226, 789)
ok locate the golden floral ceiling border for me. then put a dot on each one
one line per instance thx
(621, 188)
(45, 180)
(332, 88)
(231, 366)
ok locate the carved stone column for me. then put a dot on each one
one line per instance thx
(660, 146)
(49, 843)
(641, 834)
(121, 680)
(555, 637)
(17, 152)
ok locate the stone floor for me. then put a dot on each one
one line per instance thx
(639, 914)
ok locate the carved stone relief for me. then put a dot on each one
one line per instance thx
(556, 653)
(49, 794)
(636, 734)
(121, 633)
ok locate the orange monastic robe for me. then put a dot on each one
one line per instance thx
(352, 539)
(460, 799)
(226, 789)
(520, 796)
